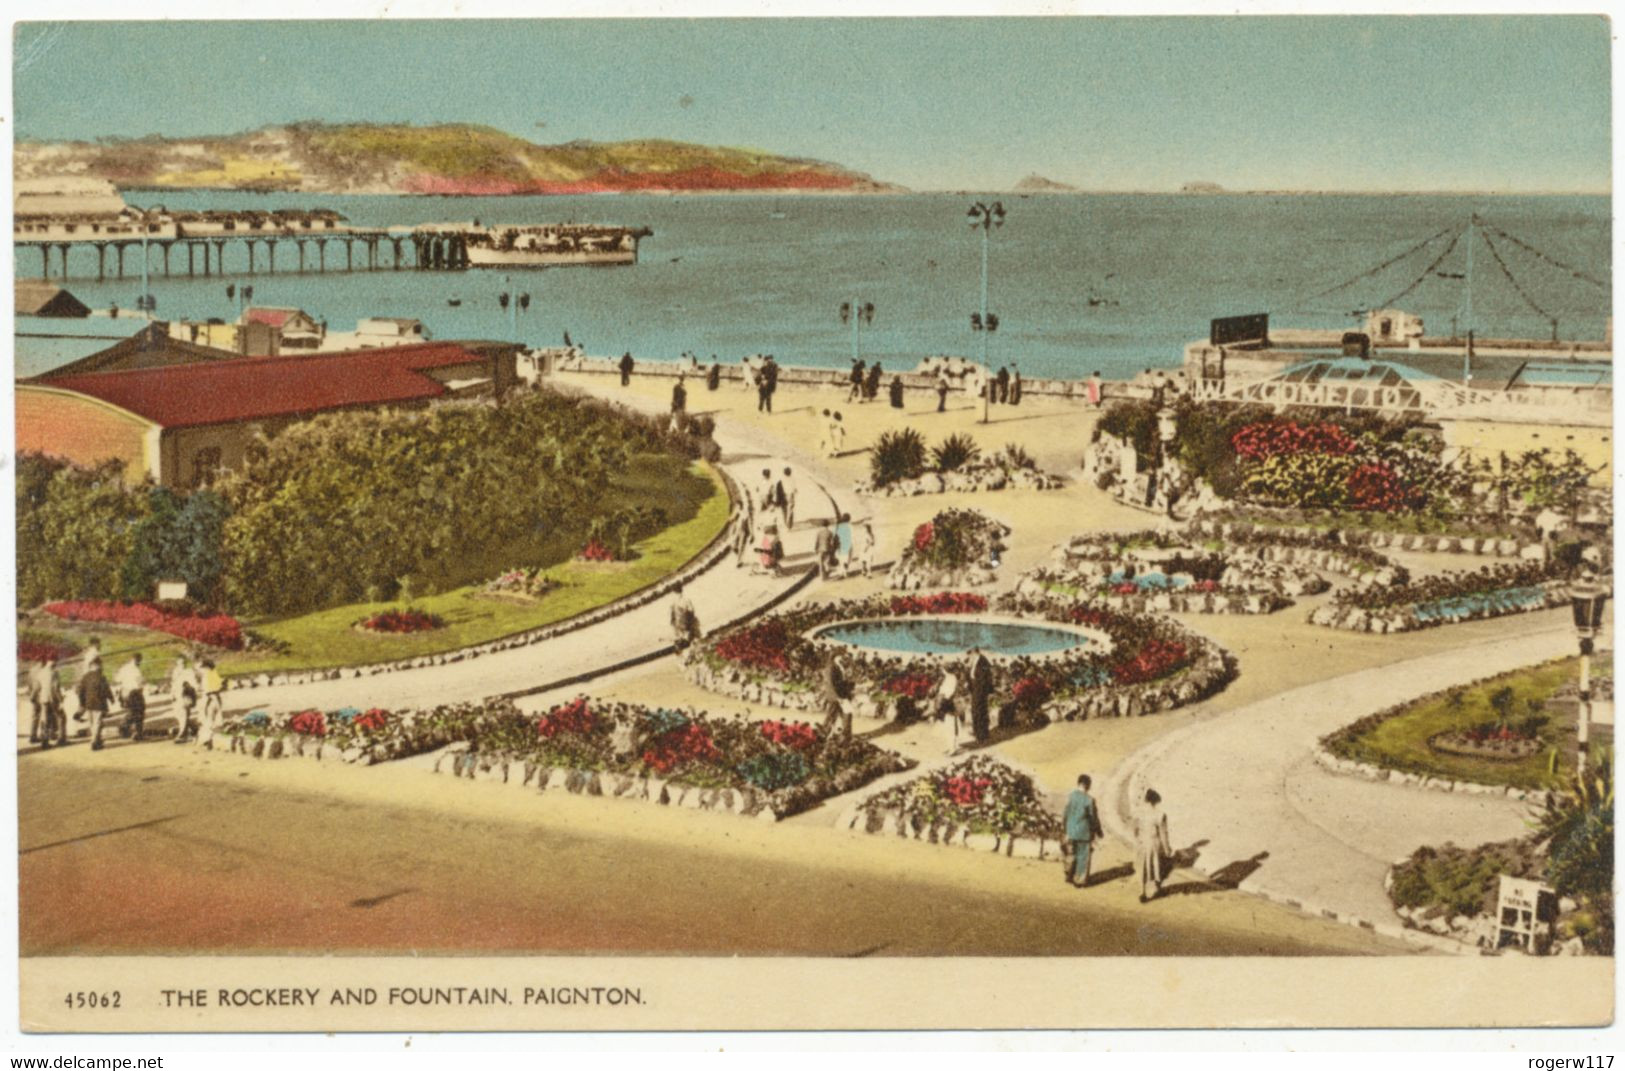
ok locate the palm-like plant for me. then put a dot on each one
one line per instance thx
(897, 455)
(1578, 827)
(954, 453)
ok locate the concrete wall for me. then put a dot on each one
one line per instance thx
(85, 430)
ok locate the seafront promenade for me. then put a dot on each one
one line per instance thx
(799, 866)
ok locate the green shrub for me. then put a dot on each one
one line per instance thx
(898, 455)
(954, 453)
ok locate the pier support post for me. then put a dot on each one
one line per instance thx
(166, 246)
(118, 247)
(300, 242)
(101, 261)
(321, 254)
(270, 255)
(45, 260)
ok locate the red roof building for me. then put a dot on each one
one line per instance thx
(182, 423)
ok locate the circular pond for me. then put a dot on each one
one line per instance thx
(954, 636)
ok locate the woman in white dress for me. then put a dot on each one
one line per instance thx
(948, 712)
(1151, 846)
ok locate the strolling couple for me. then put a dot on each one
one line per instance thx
(1152, 850)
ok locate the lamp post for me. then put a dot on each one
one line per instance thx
(1587, 598)
(857, 313)
(985, 323)
(514, 304)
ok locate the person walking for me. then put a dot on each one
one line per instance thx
(214, 691)
(1082, 830)
(767, 383)
(833, 693)
(980, 674)
(1015, 385)
(1094, 389)
(837, 435)
(871, 389)
(713, 377)
(947, 714)
(856, 391)
(942, 392)
(45, 699)
(770, 550)
(1003, 381)
(787, 499)
(843, 543)
(826, 547)
(864, 548)
(825, 423)
(184, 687)
(91, 653)
(744, 531)
(130, 685)
(626, 367)
(1151, 845)
(747, 374)
(685, 623)
(896, 392)
(679, 404)
(95, 699)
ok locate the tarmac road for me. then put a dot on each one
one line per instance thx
(137, 852)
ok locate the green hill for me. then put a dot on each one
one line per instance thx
(453, 158)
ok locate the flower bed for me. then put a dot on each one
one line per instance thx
(594, 551)
(356, 736)
(990, 474)
(1139, 663)
(1488, 537)
(50, 651)
(1334, 551)
(943, 602)
(979, 803)
(769, 769)
(400, 621)
(213, 630)
(1498, 743)
(957, 547)
(1157, 570)
(526, 584)
(1447, 598)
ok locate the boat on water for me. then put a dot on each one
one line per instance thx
(554, 245)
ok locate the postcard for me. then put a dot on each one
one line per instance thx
(826, 523)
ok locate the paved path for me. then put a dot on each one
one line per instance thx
(721, 595)
(1245, 785)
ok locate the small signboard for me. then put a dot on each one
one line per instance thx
(1524, 914)
(171, 590)
(1236, 330)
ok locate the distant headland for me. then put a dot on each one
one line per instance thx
(450, 159)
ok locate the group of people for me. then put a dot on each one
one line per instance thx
(865, 382)
(765, 378)
(98, 698)
(1004, 387)
(840, 551)
(831, 433)
(1153, 851)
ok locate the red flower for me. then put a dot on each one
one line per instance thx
(1271, 438)
(1375, 486)
(796, 735)
(215, 630)
(372, 721)
(34, 651)
(309, 723)
(913, 685)
(573, 717)
(1157, 658)
(966, 791)
(595, 551)
(680, 747)
(1031, 691)
(923, 536)
(943, 602)
(399, 621)
(760, 647)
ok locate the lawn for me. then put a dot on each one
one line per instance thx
(697, 500)
(1400, 742)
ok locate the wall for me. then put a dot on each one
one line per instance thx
(182, 447)
(84, 430)
(1484, 438)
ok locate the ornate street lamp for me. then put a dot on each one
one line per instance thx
(857, 312)
(1587, 597)
(985, 323)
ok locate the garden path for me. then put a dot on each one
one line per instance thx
(721, 595)
(1245, 786)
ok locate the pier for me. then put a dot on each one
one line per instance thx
(215, 243)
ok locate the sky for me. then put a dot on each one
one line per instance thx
(1500, 104)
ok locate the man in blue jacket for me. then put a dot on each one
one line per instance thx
(1082, 829)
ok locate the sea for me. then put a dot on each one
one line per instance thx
(1079, 282)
